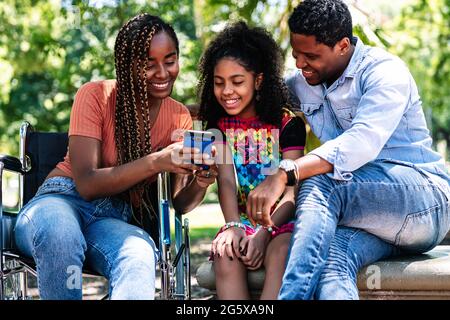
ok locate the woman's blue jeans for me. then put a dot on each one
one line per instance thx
(341, 226)
(62, 232)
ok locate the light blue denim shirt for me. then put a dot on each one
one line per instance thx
(372, 112)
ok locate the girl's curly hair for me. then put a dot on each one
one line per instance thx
(256, 51)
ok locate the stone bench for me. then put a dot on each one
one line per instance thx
(423, 276)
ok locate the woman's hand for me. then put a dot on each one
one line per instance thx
(253, 249)
(205, 178)
(227, 242)
(173, 159)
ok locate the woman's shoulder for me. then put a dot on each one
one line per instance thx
(175, 106)
(175, 114)
(100, 85)
(101, 88)
(97, 96)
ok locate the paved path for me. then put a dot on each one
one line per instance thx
(205, 215)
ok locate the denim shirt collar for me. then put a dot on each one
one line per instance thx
(356, 59)
(353, 66)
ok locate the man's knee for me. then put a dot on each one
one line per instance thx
(344, 257)
(318, 191)
(352, 249)
(322, 183)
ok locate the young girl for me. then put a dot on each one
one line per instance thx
(243, 94)
(120, 138)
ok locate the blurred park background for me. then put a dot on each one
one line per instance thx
(48, 49)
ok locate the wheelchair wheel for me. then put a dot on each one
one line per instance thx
(14, 283)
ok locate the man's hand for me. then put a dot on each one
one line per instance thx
(263, 197)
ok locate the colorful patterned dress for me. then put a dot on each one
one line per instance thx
(257, 148)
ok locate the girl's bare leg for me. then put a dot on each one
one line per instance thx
(275, 263)
(231, 279)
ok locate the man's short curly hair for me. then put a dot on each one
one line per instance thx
(328, 20)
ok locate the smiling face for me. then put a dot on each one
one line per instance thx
(234, 88)
(320, 63)
(162, 66)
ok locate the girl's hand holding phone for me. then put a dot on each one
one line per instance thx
(203, 141)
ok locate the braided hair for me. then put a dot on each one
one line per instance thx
(132, 108)
(256, 51)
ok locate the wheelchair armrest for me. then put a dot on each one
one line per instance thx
(11, 163)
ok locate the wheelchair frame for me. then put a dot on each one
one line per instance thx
(173, 285)
(175, 273)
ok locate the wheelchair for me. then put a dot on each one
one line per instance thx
(38, 155)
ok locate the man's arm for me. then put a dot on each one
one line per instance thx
(386, 93)
(386, 90)
(266, 194)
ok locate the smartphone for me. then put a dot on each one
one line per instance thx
(202, 140)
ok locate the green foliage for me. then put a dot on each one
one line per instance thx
(422, 38)
(49, 48)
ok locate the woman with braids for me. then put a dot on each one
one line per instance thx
(120, 138)
(243, 95)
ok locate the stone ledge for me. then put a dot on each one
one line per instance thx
(414, 277)
(404, 295)
(426, 272)
(206, 277)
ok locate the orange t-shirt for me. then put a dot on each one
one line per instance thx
(93, 115)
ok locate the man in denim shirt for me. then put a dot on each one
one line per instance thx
(374, 188)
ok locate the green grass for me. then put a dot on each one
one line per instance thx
(202, 233)
(196, 234)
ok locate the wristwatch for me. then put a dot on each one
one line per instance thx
(289, 166)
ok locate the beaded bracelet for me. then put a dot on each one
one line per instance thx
(230, 224)
(272, 229)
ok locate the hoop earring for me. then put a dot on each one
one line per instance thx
(258, 96)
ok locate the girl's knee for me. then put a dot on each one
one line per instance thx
(224, 266)
(136, 264)
(139, 251)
